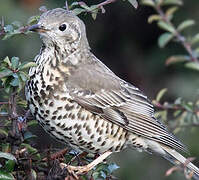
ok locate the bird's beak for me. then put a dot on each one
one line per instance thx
(37, 28)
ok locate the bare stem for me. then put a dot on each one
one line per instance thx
(180, 37)
(66, 4)
(105, 3)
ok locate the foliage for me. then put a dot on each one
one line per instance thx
(19, 158)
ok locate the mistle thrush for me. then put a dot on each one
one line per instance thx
(81, 102)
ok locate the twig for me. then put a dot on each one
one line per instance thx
(179, 36)
(66, 4)
(2, 103)
(105, 3)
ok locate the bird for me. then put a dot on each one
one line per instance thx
(79, 101)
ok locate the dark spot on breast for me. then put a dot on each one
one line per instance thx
(55, 112)
(54, 117)
(63, 98)
(103, 143)
(59, 117)
(43, 94)
(51, 104)
(99, 139)
(47, 111)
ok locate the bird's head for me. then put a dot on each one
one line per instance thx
(60, 27)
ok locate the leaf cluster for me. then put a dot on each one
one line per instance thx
(165, 10)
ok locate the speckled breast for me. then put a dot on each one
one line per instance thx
(51, 104)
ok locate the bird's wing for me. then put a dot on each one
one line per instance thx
(103, 93)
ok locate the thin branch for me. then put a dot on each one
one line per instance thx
(66, 4)
(2, 103)
(105, 3)
(179, 36)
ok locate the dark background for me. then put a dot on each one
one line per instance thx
(127, 44)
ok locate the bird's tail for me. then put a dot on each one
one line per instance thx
(175, 157)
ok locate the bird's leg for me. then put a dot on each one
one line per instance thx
(78, 170)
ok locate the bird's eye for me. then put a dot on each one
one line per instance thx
(62, 27)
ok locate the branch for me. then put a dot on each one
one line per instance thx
(179, 36)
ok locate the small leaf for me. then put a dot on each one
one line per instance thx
(27, 65)
(33, 20)
(6, 72)
(170, 12)
(134, 3)
(32, 123)
(161, 94)
(7, 156)
(8, 28)
(177, 59)
(164, 39)
(112, 167)
(153, 18)
(172, 2)
(15, 82)
(7, 60)
(185, 24)
(176, 113)
(9, 166)
(2, 131)
(165, 26)
(148, 3)
(195, 39)
(29, 148)
(78, 11)
(28, 135)
(192, 65)
(14, 62)
(6, 176)
(23, 76)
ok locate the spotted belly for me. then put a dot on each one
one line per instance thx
(70, 123)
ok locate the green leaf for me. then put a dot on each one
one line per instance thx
(28, 135)
(192, 65)
(195, 39)
(112, 167)
(23, 76)
(78, 11)
(14, 62)
(2, 131)
(165, 26)
(185, 24)
(27, 65)
(8, 28)
(170, 12)
(32, 123)
(134, 3)
(6, 72)
(9, 166)
(154, 17)
(6, 176)
(161, 94)
(7, 61)
(7, 156)
(33, 20)
(29, 148)
(172, 2)
(148, 3)
(177, 59)
(164, 39)
(15, 82)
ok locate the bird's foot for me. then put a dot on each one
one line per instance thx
(79, 170)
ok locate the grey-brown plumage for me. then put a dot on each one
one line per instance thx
(79, 101)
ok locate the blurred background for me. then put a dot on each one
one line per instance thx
(127, 44)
